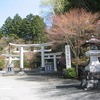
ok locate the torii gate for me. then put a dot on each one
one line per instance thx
(10, 58)
(22, 46)
(53, 56)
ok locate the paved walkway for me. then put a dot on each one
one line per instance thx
(42, 87)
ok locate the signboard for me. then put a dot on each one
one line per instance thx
(68, 56)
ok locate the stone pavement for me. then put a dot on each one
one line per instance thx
(43, 87)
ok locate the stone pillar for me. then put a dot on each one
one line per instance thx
(21, 59)
(10, 66)
(68, 56)
(10, 60)
(55, 65)
(42, 58)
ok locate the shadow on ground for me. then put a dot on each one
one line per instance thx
(38, 76)
(73, 86)
(71, 92)
(58, 88)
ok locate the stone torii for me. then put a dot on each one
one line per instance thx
(42, 50)
(10, 66)
(53, 56)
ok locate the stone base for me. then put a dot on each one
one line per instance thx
(91, 80)
(10, 72)
(21, 73)
(90, 84)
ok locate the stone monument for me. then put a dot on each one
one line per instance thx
(92, 70)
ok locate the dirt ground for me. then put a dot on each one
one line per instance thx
(43, 87)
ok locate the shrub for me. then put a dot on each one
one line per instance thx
(2, 62)
(26, 63)
(70, 73)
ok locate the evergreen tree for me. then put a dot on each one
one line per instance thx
(27, 29)
(6, 28)
(16, 24)
(39, 27)
(33, 29)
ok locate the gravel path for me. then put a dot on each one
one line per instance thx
(37, 87)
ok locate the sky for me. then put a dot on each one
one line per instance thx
(9, 8)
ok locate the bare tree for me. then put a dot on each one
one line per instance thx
(73, 27)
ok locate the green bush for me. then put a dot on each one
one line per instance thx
(26, 63)
(2, 62)
(70, 73)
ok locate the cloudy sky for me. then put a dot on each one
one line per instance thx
(21, 7)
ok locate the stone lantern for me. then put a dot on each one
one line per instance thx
(92, 70)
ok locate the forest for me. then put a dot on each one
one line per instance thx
(73, 22)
